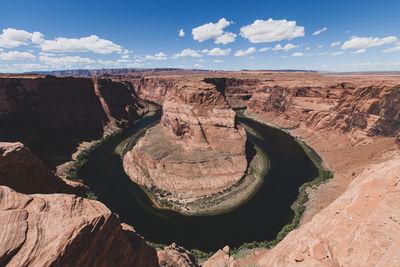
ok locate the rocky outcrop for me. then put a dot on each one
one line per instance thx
(154, 89)
(220, 259)
(175, 256)
(197, 150)
(363, 228)
(66, 230)
(236, 91)
(21, 170)
(358, 109)
(53, 115)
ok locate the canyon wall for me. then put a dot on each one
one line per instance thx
(21, 170)
(53, 115)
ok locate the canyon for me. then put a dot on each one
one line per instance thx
(352, 121)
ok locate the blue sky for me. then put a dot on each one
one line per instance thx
(229, 35)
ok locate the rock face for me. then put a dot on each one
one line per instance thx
(65, 230)
(360, 228)
(21, 170)
(358, 109)
(175, 256)
(44, 112)
(236, 91)
(197, 150)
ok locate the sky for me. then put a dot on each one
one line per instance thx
(350, 35)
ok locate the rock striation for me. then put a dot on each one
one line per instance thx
(197, 150)
(21, 170)
(66, 230)
(45, 112)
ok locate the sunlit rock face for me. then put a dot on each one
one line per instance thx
(197, 149)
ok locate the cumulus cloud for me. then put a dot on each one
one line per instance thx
(241, 53)
(320, 31)
(125, 56)
(158, 56)
(15, 55)
(392, 49)
(285, 48)
(11, 38)
(214, 31)
(307, 48)
(85, 44)
(264, 49)
(367, 42)
(181, 33)
(65, 61)
(198, 65)
(226, 38)
(337, 53)
(263, 31)
(335, 44)
(187, 53)
(217, 52)
(218, 60)
(359, 51)
(297, 54)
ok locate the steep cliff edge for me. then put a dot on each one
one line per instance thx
(21, 170)
(196, 151)
(52, 115)
(65, 230)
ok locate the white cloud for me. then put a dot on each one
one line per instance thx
(263, 31)
(11, 38)
(85, 44)
(226, 38)
(212, 31)
(286, 47)
(217, 52)
(297, 54)
(392, 49)
(359, 51)
(158, 56)
(187, 53)
(218, 60)
(337, 53)
(320, 31)
(307, 48)
(65, 61)
(125, 56)
(264, 49)
(320, 46)
(240, 53)
(200, 60)
(15, 55)
(181, 33)
(335, 44)
(198, 65)
(367, 42)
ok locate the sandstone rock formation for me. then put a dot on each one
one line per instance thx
(21, 170)
(52, 115)
(65, 230)
(360, 228)
(197, 150)
(220, 259)
(175, 256)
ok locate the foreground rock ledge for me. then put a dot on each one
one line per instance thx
(196, 151)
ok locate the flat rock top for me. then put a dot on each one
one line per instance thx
(160, 143)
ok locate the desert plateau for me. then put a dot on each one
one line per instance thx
(285, 152)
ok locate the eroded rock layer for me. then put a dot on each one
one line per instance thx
(21, 170)
(52, 115)
(66, 230)
(197, 150)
